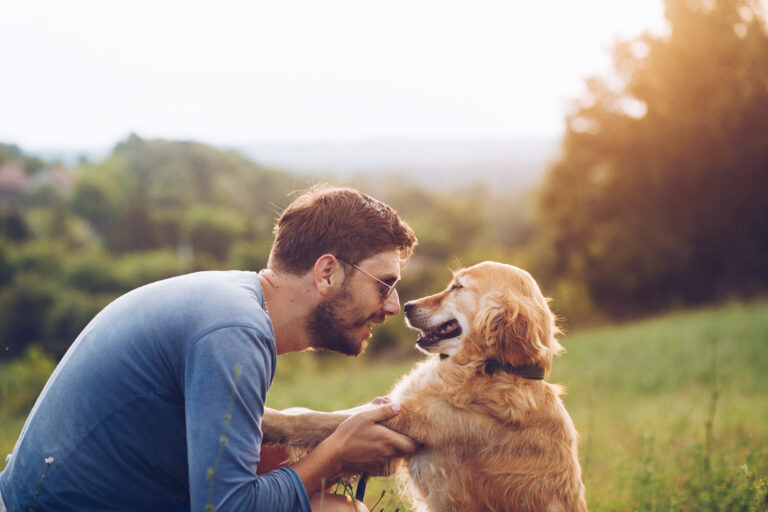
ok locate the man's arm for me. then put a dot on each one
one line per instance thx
(223, 417)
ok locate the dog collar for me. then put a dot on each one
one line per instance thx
(528, 371)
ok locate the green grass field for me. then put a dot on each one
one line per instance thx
(673, 411)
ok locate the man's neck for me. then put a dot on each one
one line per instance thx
(289, 300)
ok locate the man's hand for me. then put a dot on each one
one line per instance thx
(358, 444)
(363, 444)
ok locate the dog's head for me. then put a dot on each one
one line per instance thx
(488, 311)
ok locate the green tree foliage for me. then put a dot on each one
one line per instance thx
(12, 224)
(6, 263)
(104, 196)
(25, 305)
(69, 314)
(245, 254)
(22, 380)
(12, 153)
(174, 176)
(659, 196)
(213, 229)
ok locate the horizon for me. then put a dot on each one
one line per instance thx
(516, 163)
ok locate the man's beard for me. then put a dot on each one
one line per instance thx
(329, 328)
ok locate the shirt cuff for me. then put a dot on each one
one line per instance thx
(301, 492)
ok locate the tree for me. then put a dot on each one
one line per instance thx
(659, 196)
(213, 229)
(22, 306)
(103, 195)
(12, 153)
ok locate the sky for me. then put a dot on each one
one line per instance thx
(85, 74)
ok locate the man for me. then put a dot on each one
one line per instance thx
(157, 405)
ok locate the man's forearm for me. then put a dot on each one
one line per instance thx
(299, 427)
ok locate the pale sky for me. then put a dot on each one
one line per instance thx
(80, 73)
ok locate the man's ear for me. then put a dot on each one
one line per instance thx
(326, 273)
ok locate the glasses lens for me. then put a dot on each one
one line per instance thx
(390, 289)
(384, 289)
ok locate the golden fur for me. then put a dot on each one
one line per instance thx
(492, 440)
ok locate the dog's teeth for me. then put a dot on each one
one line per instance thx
(445, 327)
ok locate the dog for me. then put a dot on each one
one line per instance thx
(496, 435)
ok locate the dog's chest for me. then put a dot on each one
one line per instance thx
(431, 483)
(424, 467)
(425, 472)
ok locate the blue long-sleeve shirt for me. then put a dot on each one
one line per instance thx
(134, 413)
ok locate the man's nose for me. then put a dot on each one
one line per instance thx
(392, 304)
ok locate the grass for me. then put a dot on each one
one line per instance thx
(646, 395)
(673, 411)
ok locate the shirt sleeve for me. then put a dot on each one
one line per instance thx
(227, 374)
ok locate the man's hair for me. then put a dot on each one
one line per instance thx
(340, 221)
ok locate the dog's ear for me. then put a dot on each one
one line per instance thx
(519, 330)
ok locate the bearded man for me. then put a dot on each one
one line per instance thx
(157, 404)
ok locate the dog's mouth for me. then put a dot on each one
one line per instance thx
(449, 329)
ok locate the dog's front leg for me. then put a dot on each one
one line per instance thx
(299, 427)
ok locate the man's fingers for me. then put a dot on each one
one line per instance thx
(381, 413)
(381, 400)
(403, 444)
(368, 444)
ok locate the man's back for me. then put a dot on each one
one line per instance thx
(146, 383)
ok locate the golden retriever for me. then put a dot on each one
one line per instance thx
(496, 435)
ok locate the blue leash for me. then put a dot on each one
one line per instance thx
(360, 492)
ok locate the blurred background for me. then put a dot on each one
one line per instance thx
(616, 150)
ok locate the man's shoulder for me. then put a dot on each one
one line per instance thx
(206, 289)
(219, 297)
(212, 278)
(187, 306)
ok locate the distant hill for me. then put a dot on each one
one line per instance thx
(504, 165)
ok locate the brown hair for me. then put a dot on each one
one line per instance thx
(340, 221)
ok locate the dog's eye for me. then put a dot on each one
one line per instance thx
(456, 286)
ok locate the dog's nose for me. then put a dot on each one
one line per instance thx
(408, 307)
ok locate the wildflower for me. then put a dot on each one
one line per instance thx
(48, 462)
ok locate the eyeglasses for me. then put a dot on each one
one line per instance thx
(384, 288)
